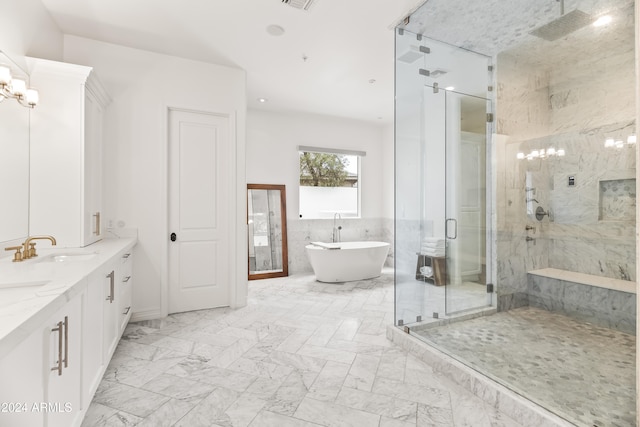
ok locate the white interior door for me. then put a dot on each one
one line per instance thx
(198, 216)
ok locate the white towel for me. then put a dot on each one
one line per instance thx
(433, 252)
(433, 240)
(426, 271)
(433, 245)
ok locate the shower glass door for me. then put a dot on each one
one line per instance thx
(441, 233)
(466, 228)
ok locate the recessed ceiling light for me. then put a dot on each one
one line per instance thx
(449, 88)
(262, 100)
(275, 30)
(603, 20)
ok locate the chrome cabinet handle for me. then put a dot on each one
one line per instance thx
(125, 256)
(126, 279)
(111, 276)
(126, 311)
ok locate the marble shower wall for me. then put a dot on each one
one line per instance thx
(521, 114)
(301, 232)
(572, 104)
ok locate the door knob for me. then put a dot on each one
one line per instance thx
(173, 237)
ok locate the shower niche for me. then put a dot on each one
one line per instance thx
(617, 200)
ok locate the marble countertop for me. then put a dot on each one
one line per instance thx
(43, 286)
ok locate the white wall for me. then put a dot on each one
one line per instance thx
(272, 158)
(143, 85)
(272, 153)
(28, 30)
(388, 172)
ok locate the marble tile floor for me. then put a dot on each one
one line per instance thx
(301, 353)
(580, 371)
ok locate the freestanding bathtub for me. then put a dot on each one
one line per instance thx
(347, 261)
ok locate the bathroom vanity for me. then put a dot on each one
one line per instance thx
(61, 316)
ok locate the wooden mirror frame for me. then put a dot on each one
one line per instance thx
(283, 226)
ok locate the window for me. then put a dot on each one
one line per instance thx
(329, 183)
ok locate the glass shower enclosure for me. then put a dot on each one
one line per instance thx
(444, 122)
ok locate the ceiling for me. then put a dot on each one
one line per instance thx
(336, 58)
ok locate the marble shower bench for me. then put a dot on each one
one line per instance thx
(602, 301)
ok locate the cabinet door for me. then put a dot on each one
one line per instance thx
(62, 384)
(92, 341)
(21, 374)
(92, 170)
(110, 313)
(125, 292)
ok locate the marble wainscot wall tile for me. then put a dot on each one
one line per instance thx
(407, 245)
(301, 232)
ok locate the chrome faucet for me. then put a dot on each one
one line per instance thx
(29, 249)
(335, 237)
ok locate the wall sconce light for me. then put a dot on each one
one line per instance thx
(541, 154)
(16, 88)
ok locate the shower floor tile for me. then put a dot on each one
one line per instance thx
(582, 372)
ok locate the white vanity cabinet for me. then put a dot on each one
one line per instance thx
(66, 146)
(110, 311)
(62, 382)
(22, 372)
(41, 376)
(53, 359)
(93, 355)
(117, 285)
(125, 291)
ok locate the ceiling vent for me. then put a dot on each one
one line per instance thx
(299, 4)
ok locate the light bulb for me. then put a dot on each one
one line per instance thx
(560, 152)
(631, 139)
(18, 87)
(5, 75)
(551, 151)
(609, 142)
(535, 153)
(520, 156)
(32, 97)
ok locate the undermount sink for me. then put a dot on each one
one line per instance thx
(25, 284)
(70, 257)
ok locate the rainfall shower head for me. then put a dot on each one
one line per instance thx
(563, 26)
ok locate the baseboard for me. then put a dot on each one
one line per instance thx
(150, 314)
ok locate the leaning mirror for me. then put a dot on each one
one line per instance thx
(14, 161)
(267, 224)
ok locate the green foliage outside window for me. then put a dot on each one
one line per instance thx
(323, 169)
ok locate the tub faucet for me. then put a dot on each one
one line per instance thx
(335, 236)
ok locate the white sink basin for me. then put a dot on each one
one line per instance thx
(70, 257)
(25, 284)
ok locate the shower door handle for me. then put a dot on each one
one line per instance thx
(455, 228)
